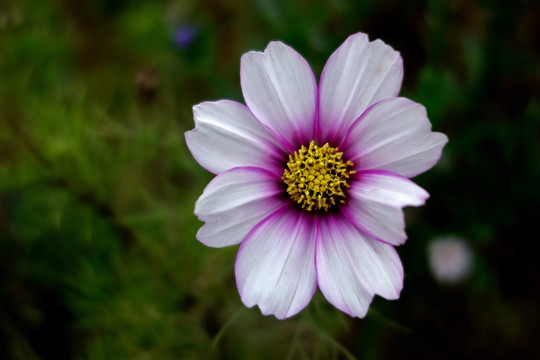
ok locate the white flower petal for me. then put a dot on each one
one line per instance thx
(375, 203)
(351, 267)
(358, 74)
(394, 135)
(227, 135)
(275, 266)
(234, 202)
(281, 91)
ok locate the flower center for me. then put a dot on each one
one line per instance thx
(316, 177)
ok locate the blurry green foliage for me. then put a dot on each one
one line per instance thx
(98, 257)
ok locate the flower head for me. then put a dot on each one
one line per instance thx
(184, 35)
(450, 259)
(311, 179)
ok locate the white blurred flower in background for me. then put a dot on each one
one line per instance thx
(450, 259)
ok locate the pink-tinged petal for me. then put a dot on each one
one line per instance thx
(375, 202)
(280, 89)
(351, 267)
(358, 74)
(234, 202)
(227, 135)
(394, 135)
(275, 266)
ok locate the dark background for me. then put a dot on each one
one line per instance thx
(98, 256)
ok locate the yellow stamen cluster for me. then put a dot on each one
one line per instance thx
(316, 177)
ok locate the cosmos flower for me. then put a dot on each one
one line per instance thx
(184, 35)
(311, 180)
(450, 259)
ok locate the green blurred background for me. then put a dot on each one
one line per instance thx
(98, 256)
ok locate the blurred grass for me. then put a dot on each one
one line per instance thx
(98, 257)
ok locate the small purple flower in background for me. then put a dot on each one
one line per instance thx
(183, 35)
(450, 259)
(311, 180)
